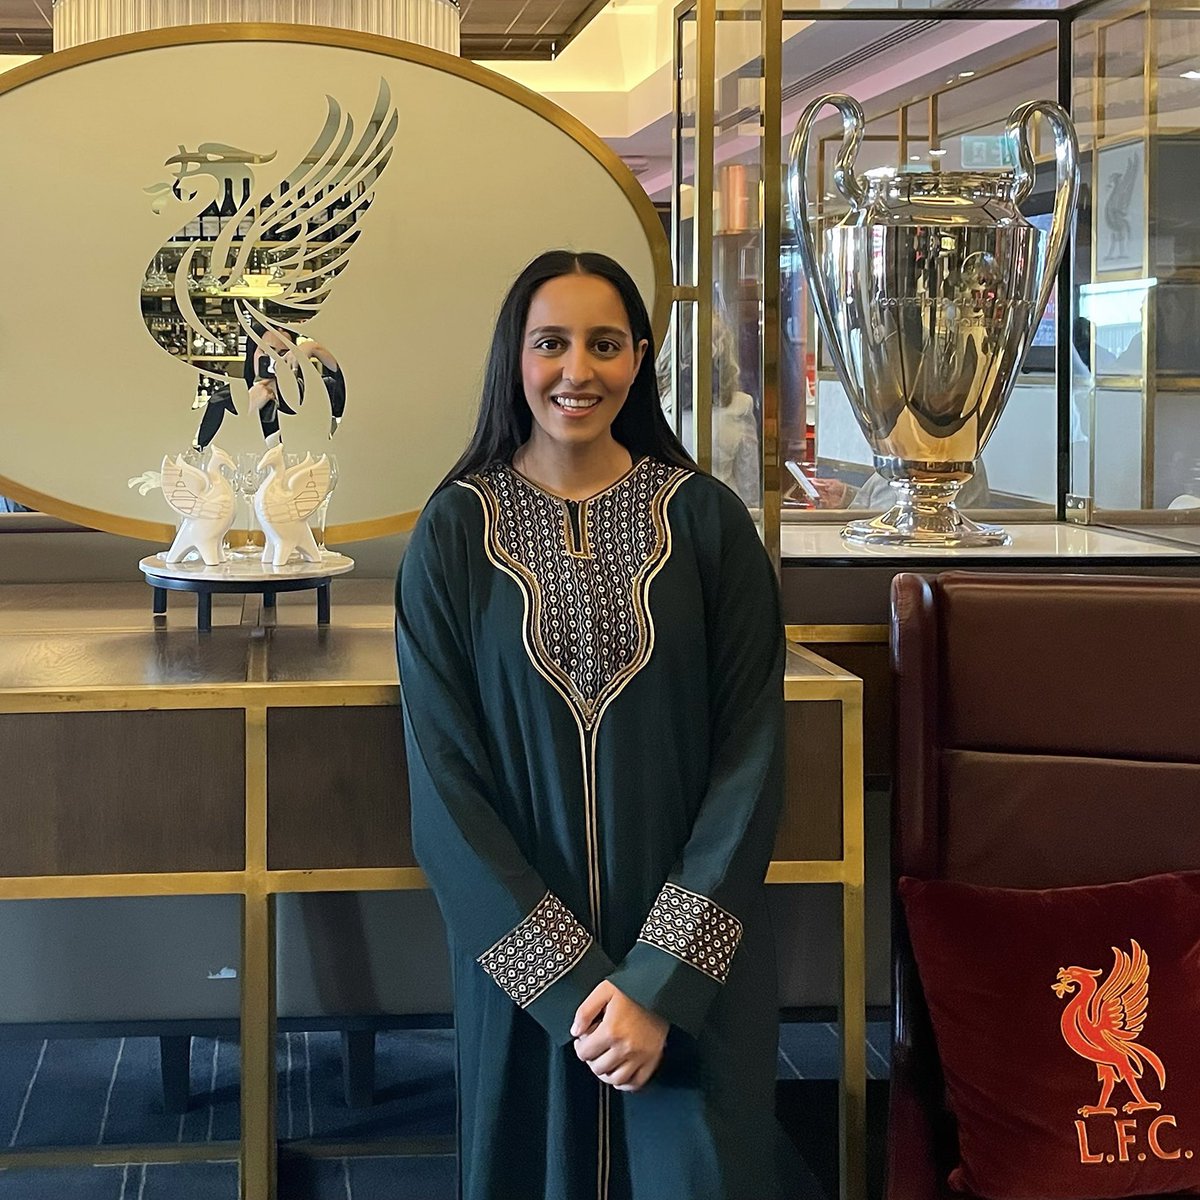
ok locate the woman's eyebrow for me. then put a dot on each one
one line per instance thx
(614, 331)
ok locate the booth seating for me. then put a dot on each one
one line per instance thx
(1046, 737)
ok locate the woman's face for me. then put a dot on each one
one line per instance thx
(578, 359)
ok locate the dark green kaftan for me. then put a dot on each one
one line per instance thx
(593, 709)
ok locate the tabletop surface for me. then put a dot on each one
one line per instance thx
(63, 638)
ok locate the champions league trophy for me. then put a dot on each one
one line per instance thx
(928, 292)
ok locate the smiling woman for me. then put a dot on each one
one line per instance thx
(591, 665)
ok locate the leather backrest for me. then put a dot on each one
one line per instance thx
(1048, 727)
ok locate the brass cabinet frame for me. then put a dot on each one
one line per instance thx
(808, 678)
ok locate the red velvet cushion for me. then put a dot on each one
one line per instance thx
(1020, 1060)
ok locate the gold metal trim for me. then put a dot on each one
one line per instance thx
(771, 209)
(818, 870)
(106, 1156)
(235, 694)
(174, 883)
(837, 633)
(311, 35)
(348, 879)
(853, 1093)
(257, 1033)
(702, 230)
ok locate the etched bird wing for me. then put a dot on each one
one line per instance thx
(190, 492)
(338, 176)
(1129, 178)
(298, 491)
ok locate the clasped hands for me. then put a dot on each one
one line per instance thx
(621, 1041)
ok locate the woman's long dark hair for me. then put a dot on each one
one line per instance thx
(505, 421)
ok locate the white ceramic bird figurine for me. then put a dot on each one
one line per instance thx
(206, 501)
(285, 500)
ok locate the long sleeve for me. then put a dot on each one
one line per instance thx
(494, 904)
(691, 935)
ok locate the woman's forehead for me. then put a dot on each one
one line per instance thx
(577, 300)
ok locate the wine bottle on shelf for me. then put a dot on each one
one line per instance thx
(210, 223)
(191, 231)
(247, 221)
(288, 231)
(228, 209)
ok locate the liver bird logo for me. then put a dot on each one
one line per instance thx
(1116, 205)
(1103, 1022)
(255, 272)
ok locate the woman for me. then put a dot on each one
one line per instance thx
(591, 660)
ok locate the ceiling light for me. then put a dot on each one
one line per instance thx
(965, 74)
(1190, 75)
(937, 153)
(914, 158)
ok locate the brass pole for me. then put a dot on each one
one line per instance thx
(702, 224)
(258, 1161)
(772, 239)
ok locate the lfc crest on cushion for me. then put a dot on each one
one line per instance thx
(1103, 1023)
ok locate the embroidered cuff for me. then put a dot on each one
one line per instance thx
(538, 952)
(693, 929)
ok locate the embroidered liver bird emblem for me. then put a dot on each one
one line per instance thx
(1102, 1023)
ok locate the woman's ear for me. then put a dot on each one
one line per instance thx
(638, 354)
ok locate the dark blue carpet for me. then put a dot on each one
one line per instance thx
(71, 1092)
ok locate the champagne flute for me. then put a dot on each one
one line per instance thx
(317, 520)
(248, 479)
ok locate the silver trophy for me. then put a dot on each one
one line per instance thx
(928, 292)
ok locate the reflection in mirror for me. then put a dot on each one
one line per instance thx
(253, 260)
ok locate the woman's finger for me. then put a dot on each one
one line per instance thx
(589, 1047)
(609, 1061)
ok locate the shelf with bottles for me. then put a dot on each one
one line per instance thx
(325, 215)
(227, 343)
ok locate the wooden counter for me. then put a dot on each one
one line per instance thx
(142, 757)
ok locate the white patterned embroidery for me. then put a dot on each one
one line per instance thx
(538, 952)
(588, 625)
(693, 929)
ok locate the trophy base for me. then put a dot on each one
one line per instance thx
(939, 527)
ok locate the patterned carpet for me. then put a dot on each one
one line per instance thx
(64, 1092)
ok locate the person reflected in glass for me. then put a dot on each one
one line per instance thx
(877, 493)
(591, 659)
(262, 377)
(736, 454)
(279, 352)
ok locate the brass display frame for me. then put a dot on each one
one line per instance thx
(311, 35)
(808, 678)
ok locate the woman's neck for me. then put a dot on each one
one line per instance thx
(573, 472)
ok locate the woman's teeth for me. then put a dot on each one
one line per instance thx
(575, 402)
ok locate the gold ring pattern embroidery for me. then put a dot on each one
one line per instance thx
(694, 930)
(538, 952)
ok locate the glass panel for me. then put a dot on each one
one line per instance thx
(936, 100)
(1137, 270)
(737, 252)
(675, 376)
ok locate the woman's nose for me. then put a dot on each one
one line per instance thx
(577, 366)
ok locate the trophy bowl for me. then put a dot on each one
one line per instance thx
(928, 293)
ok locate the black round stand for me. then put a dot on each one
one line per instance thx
(204, 589)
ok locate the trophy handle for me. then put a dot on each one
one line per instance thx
(1066, 156)
(853, 123)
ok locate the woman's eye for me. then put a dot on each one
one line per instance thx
(549, 343)
(607, 347)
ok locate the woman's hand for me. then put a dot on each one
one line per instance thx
(620, 1040)
(262, 393)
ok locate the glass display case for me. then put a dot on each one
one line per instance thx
(1102, 427)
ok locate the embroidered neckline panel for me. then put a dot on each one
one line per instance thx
(584, 568)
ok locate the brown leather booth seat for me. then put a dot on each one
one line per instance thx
(1047, 735)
